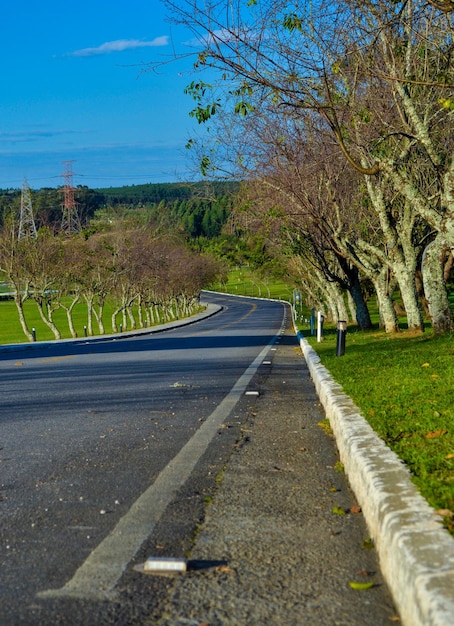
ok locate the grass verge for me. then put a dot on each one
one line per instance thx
(244, 282)
(11, 331)
(403, 385)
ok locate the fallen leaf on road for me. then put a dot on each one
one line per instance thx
(355, 509)
(225, 569)
(338, 510)
(361, 586)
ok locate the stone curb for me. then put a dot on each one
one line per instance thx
(416, 554)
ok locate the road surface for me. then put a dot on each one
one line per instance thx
(109, 450)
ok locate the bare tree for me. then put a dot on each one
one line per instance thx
(375, 77)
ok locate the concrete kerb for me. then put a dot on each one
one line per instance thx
(211, 309)
(416, 554)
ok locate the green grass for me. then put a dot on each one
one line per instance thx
(244, 282)
(403, 385)
(11, 330)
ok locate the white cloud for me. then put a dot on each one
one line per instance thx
(119, 45)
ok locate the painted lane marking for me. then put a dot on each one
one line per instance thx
(97, 576)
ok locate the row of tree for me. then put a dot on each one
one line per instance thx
(198, 209)
(339, 115)
(146, 277)
(168, 193)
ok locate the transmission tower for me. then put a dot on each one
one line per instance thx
(70, 223)
(27, 227)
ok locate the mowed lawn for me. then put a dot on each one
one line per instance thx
(404, 386)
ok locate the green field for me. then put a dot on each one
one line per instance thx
(244, 282)
(11, 331)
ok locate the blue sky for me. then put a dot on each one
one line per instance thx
(74, 89)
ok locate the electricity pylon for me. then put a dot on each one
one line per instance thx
(27, 227)
(70, 223)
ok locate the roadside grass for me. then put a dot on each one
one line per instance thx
(403, 385)
(11, 330)
(244, 282)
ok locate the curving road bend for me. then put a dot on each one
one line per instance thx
(113, 445)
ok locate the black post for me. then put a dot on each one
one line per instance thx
(340, 339)
(85, 331)
(34, 334)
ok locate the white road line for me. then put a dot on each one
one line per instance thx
(97, 576)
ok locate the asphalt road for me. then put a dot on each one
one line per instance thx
(108, 450)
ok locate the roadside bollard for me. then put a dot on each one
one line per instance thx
(85, 331)
(320, 320)
(121, 328)
(340, 339)
(34, 334)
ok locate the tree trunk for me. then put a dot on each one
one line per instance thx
(47, 319)
(351, 307)
(407, 287)
(140, 312)
(89, 301)
(98, 316)
(362, 312)
(132, 319)
(338, 298)
(69, 315)
(114, 319)
(435, 288)
(20, 310)
(387, 313)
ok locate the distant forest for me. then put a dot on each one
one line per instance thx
(200, 209)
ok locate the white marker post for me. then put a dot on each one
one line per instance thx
(320, 320)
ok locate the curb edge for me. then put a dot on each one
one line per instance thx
(416, 554)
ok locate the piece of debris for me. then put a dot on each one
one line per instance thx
(165, 564)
